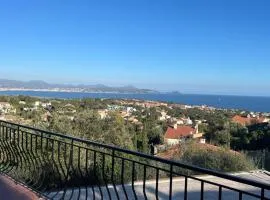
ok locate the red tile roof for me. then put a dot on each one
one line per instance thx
(181, 131)
(241, 120)
(247, 120)
(170, 153)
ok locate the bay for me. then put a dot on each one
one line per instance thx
(258, 104)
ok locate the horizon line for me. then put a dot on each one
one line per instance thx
(141, 88)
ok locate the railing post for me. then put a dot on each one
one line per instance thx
(202, 190)
(122, 177)
(262, 194)
(112, 175)
(171, 181)
(144, 180)
(133, 179)
(157, 180)
(219, 193)
(185, 189)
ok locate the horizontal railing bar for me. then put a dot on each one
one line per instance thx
(143, 155)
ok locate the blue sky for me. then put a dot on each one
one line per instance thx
(211, 46)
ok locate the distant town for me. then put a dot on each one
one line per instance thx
(13, 85)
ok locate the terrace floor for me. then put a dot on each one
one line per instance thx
(9, 190)
(194, 188)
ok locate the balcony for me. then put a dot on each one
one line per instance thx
(57, 166)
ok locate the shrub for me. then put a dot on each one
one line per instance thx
(216, 158)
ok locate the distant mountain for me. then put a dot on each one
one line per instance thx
(42, 85)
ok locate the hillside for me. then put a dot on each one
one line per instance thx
(42, 85)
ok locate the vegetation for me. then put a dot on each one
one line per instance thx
(81, 118)
(220, 159)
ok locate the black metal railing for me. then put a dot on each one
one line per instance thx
(58, 166)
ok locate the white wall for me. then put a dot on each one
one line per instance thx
(172, 142)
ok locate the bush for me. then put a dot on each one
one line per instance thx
(216, 158)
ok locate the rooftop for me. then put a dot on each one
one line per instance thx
(180, 131)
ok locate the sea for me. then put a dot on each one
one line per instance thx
(249, 103)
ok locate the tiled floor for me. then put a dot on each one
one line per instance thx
(194, 189)
(11, 191)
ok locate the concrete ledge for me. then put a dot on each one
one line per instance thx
(12, 191)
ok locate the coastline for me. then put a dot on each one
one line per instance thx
(70, 91)
(254, 104)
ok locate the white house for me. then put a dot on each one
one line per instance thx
(5, 108)
(22, 102)
(163, 116)
(37, 104)
(188, 121)
(103, 113)
(45, 105)
(174, 135)
(131, 109)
